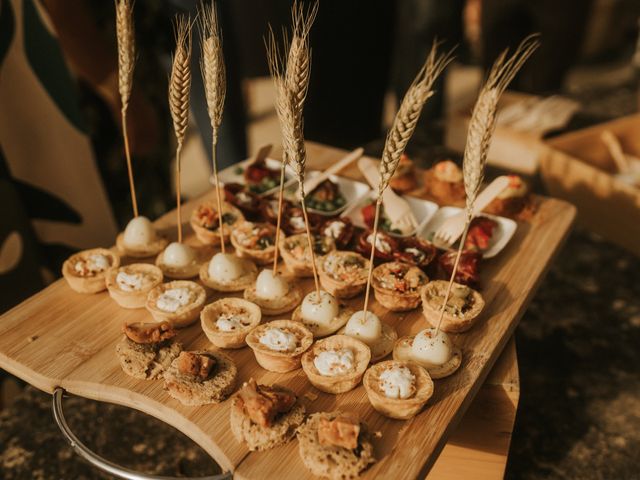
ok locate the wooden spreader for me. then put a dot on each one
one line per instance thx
(59, 338)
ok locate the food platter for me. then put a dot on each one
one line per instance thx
(59, 338)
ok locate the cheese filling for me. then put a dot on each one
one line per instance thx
(228, 322)
(334, 230)
(381, 244)
(297, 223)
(279, 340)
(331, 363)
(174, 298)
(129, 282)
(94, 264)
(397, 382)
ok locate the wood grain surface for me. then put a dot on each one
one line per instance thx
(66, 339)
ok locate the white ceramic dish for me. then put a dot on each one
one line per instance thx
(423, 210)
(235, 174)
(503, 233)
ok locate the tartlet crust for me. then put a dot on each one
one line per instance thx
(319, 331)
(185, 315)
(237, 285)
(273, 360)
(402, 353)
(151, 250)
(95, 283)
(338, 288)
(181, 273)
(399, 408)
(385, 346)
(338, 383)
(301, 267)
(392, 299)
(234, 339)
(212, 237)
(135, 298)
(259, 256)
(450, 323)
(276, 306)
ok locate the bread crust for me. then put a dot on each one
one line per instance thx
(146, 361)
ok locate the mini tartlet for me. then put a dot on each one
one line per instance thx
(248, 274)
(274, 294)
(404, 179)
(322, 318)
(205, 222)
(336, 364)
(378, 335)
(180, 261)
(444, 183)
(264, 416)
(294, 250)
(228, 321)
(140, 239)
(201, 377)
(129, 285)
(255, 241)
(462, 310)
(435, 353)
(398, 389)
(342, 273)
(512, 200)
(86, 271)
(278, 345)
(178, 302)
(397, 285)
(335, 445)
(339, 229)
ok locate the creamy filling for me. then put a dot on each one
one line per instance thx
(381, 244)
(174, 298)
(279, 340)
(397, 382)
(297, 223)
(129, 282)
(334, 230)
(229, 322)
(95, 263)
(331, 363)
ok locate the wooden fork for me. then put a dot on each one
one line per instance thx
(453, 226)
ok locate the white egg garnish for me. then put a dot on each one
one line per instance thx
(225, 267)
(178, 255)
(397, 382)
(368, 330)
(319, 311)
(279, 340)
(139, 232)
(270, 286)
(331, 363)
(430, 350)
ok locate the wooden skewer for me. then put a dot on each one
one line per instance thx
(214, 156)
(371, 255)
(178, 201)
(279, 217)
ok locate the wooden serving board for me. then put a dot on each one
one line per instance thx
(62, 338)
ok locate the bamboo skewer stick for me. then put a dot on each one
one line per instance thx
(279, 218)
(365, 308)
(126, 63)
(479, 136)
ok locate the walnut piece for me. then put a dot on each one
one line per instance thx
(196, 365)
(146, 333)
(262, 403)
(342, 431)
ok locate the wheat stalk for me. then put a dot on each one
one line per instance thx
(214, 79)
(126, 63)
(481, 127)
(179, 88)
(404, 124)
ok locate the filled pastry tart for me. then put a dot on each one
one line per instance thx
(206, 223)
(415, 251)
(434, 352)
(255, 241)
(86, 271)
(397, 285)
(369, 329)
(130, 285)
(140, 239)
(342, 273)
(324, 315)
(468, 271)
(228, 273)
(336, 364)
(445, 184)
(335, 445)
(179, 261)
(278, 346)
(246, 201)
(512, 200)
(293, 221)
(385, 248)
(398, 389)
(404, 179)
(326, 198)
(259, 178)
(228, 321)
(339, 229)
(462, 310)
(200, 377)
(178, 302)
(295, 252)
(273, 293)
(263, 416)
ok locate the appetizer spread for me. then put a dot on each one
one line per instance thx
(178, 302)
(278, 346)
(273, 293)
(398, 389)
(322, 315)
(397, 285)
(200, 377)
(294, 250)
(130, 285)
(443, 182)
(227, 273)
(336, 364)
(462, 310)
(385, 249)
(228, 321)
(370, 330)
(265, 416)
(326, 198)
(205, 222)
(415, 251)
(339, 229)
(140, 239)
(255, 241)
(86, 271)
(468, 272)
(343, 274)
(179, 261)
(434, 352)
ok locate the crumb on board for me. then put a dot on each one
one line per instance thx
(310, 396)
(32, 338)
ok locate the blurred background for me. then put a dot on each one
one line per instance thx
(63, 181)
